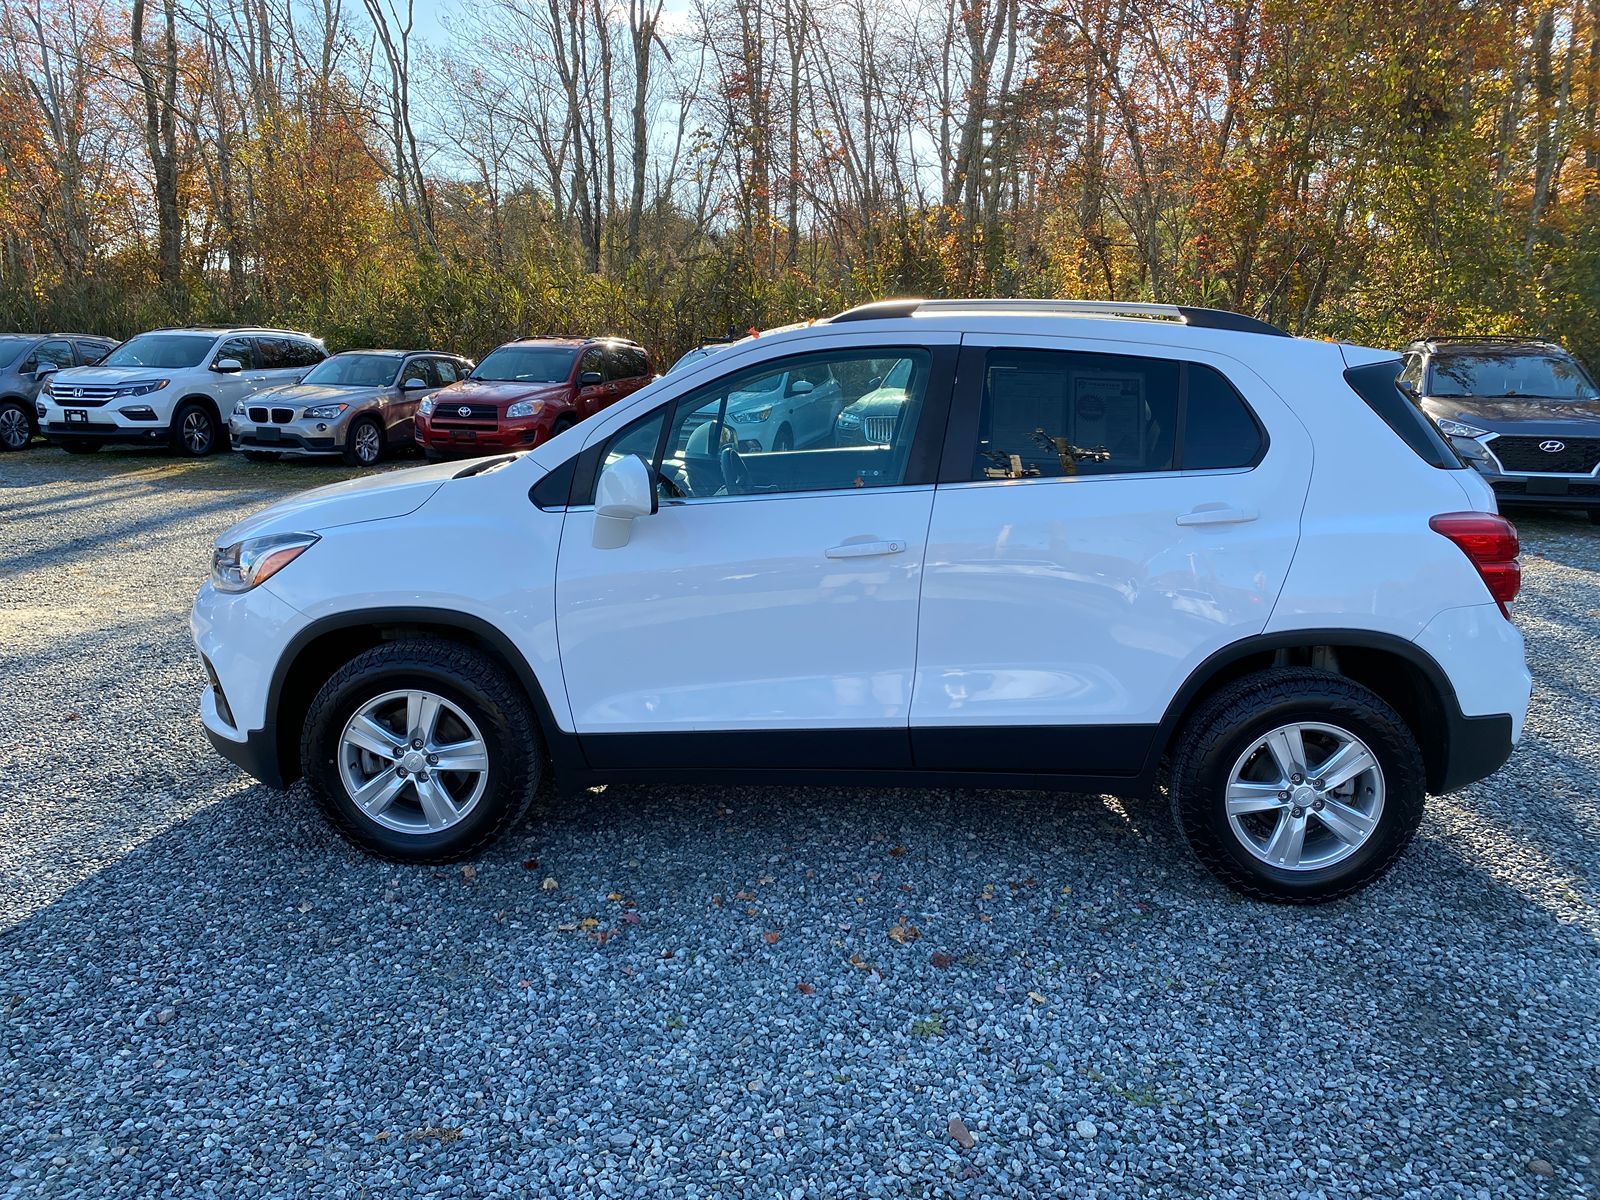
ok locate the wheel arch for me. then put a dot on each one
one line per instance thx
(1405, 676)
(322, 647)
(205, 401)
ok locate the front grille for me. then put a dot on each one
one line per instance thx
(878, 430)
(283, 415)
(1577, 456)
(466, 415)
(83, 395)
(258, 415)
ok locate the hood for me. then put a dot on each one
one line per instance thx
(309, 394)
(884, 400)
(1509, 414)
(369, 498)
(493, 391)
(108, 375)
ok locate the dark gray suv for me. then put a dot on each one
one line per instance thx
(26, 360)
(1524, 414)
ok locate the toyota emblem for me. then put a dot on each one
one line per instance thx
(466, 411)
(1552, 446)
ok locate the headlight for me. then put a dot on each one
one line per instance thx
(238, 408)
(426, 407)
(848, 420)
(326, 412)
(243, 565)
(48, 387)
(1458, 429)
(752, 416)
(1474, 452)
(141, 387)
(526, 408)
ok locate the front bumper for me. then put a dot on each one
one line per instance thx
(1546, 491)
(477, 440)
(299, 439)
(103, 431)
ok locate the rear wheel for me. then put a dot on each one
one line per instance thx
(363, 442)
(1297, 785)
(16, 429)
(422, 750)
(194, 430)
(783, 440)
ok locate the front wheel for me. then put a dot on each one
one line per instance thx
(363, 442)
(16, 430)
(194, 431)
(1297, 785)
(422, 750)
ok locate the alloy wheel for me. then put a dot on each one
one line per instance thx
(1305, 796)
(197, 432)
(367, 442)
(14, 430)
(413, 761)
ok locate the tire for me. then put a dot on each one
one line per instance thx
(561, 426)
(74, 446)
(480, 701)
(1218, 746)
(363, 442)
(261, 456)
(783, 440)
(194, 430)
(16, 426)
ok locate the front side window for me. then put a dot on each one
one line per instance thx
(446, 371)
(59, 353)
(594, 359)
(1049, 413)
(417, 368)
(1510, 374)
(238, 349)
(166, 350)
(775, 429)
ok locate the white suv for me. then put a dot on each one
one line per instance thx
(170, 387)
(1089, 540)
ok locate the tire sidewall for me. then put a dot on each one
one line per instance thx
(27, 424)
(1205, 819)
(179, 443)
(320, 745)
(350, 451)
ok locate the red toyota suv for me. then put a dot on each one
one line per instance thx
(525, 392)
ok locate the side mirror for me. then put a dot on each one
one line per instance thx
(46, 368)
(874, 383)
(228, 366)
(800, 387)
(623, 492)
(590, 379)
(414, 384)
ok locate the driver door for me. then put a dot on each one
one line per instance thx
(771, 592)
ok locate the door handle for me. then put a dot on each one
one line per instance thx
(1217, 514)
(865, 549)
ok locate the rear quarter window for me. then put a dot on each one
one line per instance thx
(1379, 385)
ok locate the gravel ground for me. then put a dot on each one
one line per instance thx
(680, 992)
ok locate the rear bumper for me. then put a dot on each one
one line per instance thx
(1479, 746)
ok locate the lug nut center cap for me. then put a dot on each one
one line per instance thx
(1303, 796)
(414, 761)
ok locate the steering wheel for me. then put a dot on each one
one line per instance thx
(735, 475)
(674, 488)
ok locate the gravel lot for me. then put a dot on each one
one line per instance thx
(678, 992)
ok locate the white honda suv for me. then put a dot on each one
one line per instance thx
(1097, 547)
(171, 387)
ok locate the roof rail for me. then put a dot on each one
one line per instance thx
(1509, 339)
(1200, 318)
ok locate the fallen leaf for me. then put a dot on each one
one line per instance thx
(904, 932)
(896, 851)
(630, 918)
(588, 923)
(805, 989)
(381, 1136)
(770, 938)
(942, 960)
(469, 873)
(530, 864)
(749, 912)
(1037, 998)
(524, 983)
(567, 927)
(860, 963)
(988, 892)
(963, 1136)
(549, 885)
(766, 879)
(613, 896)
(744, 895)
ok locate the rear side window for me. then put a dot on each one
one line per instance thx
(1379, 385)
(304, 354)
(1219, 431)
(275, 353)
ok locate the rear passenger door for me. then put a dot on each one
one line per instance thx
(1103, 523)
(243, 383)
(589, 399)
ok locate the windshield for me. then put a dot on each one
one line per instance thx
(1536, 376)
(160, 350)
(356, 370)
(10, 347)
(527, 364)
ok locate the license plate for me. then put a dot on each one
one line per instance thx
(463, 435)
(1548, 487)
(77, 416)
(263, 434)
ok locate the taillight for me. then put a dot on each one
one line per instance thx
(1491, 543)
